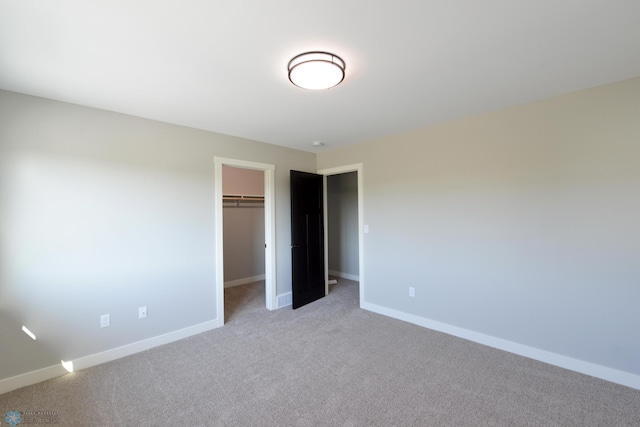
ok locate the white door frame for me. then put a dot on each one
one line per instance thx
(269, 231)
(357, 167)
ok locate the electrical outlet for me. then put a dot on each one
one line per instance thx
(412, 291)
(105, 320)
(142, 312)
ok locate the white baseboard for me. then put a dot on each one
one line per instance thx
(33, 377)
(598, 371)
(243, 281)
(50, 372)
(344, 275)
(284, 300)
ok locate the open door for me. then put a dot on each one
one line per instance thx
(307, 238)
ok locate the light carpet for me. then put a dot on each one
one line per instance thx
(326, 364)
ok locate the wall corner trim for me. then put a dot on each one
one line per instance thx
(33, 377)
(609, 374)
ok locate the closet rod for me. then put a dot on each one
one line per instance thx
(243, 198)
(253, 201)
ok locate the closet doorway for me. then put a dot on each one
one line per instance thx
(243, 240)
(342, 230)
(245, 230)
(344, 226)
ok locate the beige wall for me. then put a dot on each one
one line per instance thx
(102, 213)
(520, 224)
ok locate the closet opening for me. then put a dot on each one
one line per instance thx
(344, 230)
(245, 238)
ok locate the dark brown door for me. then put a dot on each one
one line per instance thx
(307, 238)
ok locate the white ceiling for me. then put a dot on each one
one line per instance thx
(222, 65)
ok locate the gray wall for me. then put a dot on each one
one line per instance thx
(243, 242)
(521, 224)
(342, 233)
(101, 213)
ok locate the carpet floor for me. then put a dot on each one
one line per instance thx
(326, 364)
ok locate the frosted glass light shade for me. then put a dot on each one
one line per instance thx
(316, 70)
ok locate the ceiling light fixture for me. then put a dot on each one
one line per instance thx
(316, 70)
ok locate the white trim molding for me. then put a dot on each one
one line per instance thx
(592, 369)
(50, 372)
(29, 378)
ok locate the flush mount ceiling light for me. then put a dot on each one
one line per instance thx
(316, 70)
